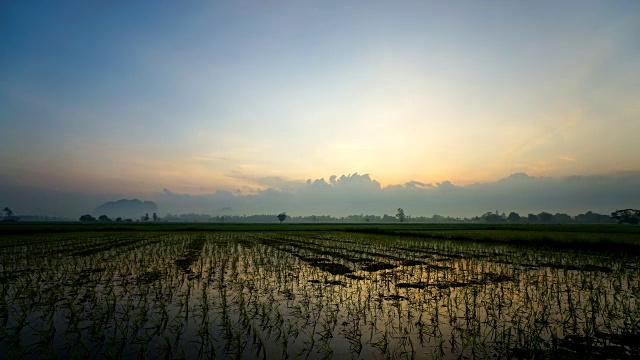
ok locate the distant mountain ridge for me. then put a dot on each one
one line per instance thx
(126, 209)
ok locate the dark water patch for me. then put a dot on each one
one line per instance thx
(84, 277)
(476, 256)
(492, 278)
(631, 340)
(91, 250)
(328, 282)
(184, 264)
(335, 282)
(332, 268)
(313, 259)
(587, 347)
(378, 267)
(191, 255)
(408, 262)
(381, 255)
(528, 354)
(415, 285)
(150, 276)
(336, 252)
(355, 260)
(316, 250)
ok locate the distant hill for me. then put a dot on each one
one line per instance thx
(126, 209)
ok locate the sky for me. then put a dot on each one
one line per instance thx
(252, 101)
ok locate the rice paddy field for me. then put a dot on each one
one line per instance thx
(315, 294)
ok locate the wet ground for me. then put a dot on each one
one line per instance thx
(310, 295)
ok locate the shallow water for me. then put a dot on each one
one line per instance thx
(310, 295)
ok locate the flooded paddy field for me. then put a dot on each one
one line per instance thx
(311, 295)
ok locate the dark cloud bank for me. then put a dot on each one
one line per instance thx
(361, 194)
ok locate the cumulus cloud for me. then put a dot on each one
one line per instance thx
(356, 194)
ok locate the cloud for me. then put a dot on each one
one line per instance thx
(271, 182)
(356, 194)
(417, 185)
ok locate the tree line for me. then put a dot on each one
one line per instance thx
(624, 216)
(629, 216)
(105, 218)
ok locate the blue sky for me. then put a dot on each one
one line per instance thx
(133, 97)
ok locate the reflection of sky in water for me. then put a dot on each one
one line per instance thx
(251, 293)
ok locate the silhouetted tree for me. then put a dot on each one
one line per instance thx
(282, 216)
(492, 218)
(87, 218)
(594, 218)
(532, 218)
(513, 217)
(562, 218)
(9, 217)
(400, 215)
(104, 218)
(118, 219)
(155, 217)
(145, 217)
(545, 216)
(629, 216)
